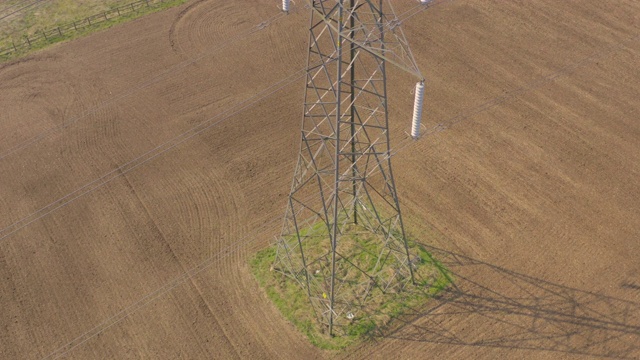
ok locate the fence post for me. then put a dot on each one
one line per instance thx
(118, 10)
(28, 41)
(74, 26)
(132, 9)
(14, 46)
(59, 32)
(89, 21)
(45, 35)
(105, 15)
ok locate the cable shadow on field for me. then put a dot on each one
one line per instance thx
(513, 310)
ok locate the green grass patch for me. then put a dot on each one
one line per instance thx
(63, 20)
(292, 300)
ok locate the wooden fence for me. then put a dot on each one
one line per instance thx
(51, 35)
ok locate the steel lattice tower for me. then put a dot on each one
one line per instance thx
(343, 189)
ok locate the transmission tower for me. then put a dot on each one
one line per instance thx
(343, 198)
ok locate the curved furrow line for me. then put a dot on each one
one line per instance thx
(200, 25)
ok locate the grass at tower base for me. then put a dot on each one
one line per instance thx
(291, 299)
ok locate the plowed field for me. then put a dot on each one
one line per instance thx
(143, 166)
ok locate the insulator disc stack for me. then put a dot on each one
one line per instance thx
(417, 110)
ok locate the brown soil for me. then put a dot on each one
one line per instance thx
(527, 184)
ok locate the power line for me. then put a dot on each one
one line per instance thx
(499, 100)
(126, 168)
(156, 294)
(144, 158)
(417, 9)
(208, 262)
(147, 299)
(214, 258)
(18, 3)
(171, 71)
(37, 2)
(174, 69)
(131, 165)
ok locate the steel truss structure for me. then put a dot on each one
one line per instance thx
(343, 234)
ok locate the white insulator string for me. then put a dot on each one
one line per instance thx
(149, 298)
(417, 110)
(532, 85)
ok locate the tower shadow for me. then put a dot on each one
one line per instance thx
(500, 308)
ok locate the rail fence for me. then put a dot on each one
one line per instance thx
(59, 32)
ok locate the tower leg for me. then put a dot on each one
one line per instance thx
(343, 235)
